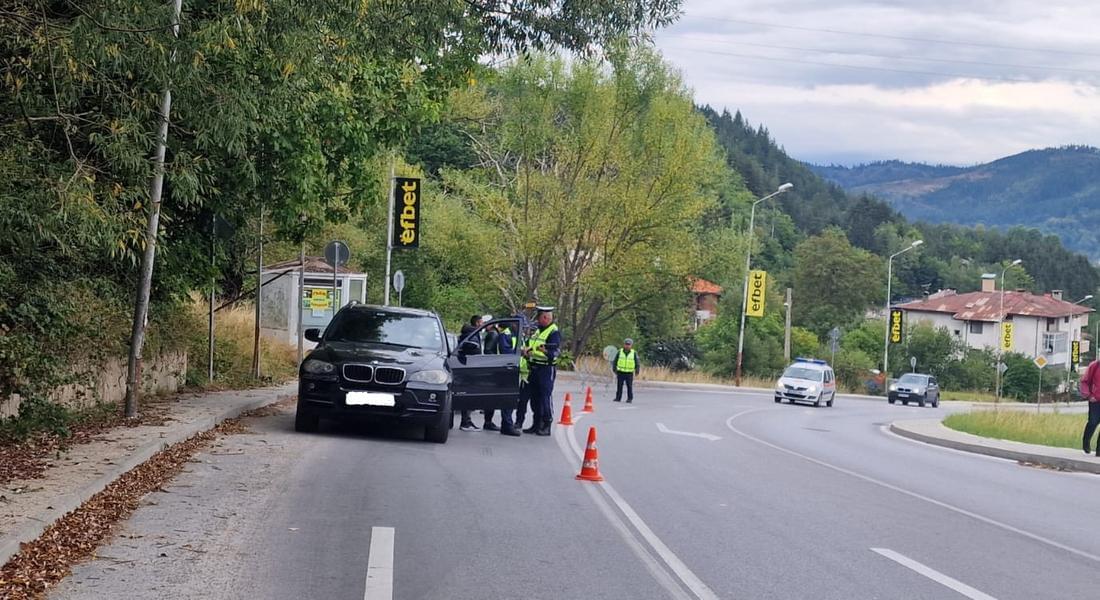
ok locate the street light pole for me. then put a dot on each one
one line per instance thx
(886, 334)
(748, 261)
(1001, 326)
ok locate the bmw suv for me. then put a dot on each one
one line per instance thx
(397, 365)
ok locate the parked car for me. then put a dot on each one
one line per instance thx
(396, 364)
(807, 380)
(915, 387)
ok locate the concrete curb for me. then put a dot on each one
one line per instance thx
(62, 505)
(978, 445)
(574, 376)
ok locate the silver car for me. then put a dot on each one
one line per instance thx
(807, 380)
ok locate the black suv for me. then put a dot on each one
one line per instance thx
(397, 364)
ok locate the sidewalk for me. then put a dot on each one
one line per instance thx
(932, 431)
(28, 507)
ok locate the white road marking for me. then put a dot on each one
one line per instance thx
(699, 589)
(627, 407)
(911, 494)
(706, 436)
(380, 565)
(933, 574)
(683, 406)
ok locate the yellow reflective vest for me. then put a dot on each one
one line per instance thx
(626, 363)
(536, 356)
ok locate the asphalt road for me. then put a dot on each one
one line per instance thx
(707, 495)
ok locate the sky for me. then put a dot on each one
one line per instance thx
(957, 82)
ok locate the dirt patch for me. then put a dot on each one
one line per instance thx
(44, 562)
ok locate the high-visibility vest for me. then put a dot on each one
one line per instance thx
(626, 362)
(536, 356)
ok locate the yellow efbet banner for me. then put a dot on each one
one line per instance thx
(1006, 335)
(758, 281)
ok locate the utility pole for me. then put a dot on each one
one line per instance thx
(259, 295)
(301, 297)
(787, 330)
(210, 323)
(389, 239)
(156, 187)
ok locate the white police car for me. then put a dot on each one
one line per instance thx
(807, 380)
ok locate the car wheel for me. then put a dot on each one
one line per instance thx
(305, 420)
(936, 402)
(817, 403)
(905, 403)
(891, 400)
(920, 403)
(778, 399)
(439, 432)
(830, 402)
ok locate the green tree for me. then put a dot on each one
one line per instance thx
(834, 283)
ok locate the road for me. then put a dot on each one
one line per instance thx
(707, 495)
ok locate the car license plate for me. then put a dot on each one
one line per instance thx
(370, 399)
(903, 395)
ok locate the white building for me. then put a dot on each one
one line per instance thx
(279, 315)
(1041, 325)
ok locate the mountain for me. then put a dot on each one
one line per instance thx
(1055, 190)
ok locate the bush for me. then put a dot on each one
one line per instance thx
(233, 336)
(678, 354)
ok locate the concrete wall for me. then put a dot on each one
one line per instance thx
(107, 382)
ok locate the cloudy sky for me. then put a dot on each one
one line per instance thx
(941, 81)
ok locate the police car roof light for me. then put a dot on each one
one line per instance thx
(816, 361)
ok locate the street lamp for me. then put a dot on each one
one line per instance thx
(1001, 326)
(1085, 299)
(786, 187)
(886, 334)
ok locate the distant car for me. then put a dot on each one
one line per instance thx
(396, 364)
(915, 387)
(807, 380)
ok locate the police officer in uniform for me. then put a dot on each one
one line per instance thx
(625, 365)
(542, 356)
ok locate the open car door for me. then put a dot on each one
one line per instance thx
(483, 378)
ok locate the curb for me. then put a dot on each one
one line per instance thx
(977, 447)
(573, 375)
(62, 505)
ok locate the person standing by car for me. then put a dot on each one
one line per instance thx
(1090, 390)
(626, 365)
(467, 423)
(542, 356)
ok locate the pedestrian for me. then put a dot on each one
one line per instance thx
(470, 333)
(1090, 390)
(542, 357)
(625, 365)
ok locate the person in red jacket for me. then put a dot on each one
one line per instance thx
(1090, 390)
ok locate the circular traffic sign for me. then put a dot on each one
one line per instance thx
(337, 253)
(399, 281)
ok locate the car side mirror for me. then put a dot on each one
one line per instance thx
(313, 334)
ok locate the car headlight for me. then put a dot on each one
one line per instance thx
(318, 367)
(433, 376)
(893, 387)
(812, 389)
(779, 387)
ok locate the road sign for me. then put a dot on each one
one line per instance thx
(1001, 368)
(913, 363)
(337, 253)
(1040, 361)
(399, 281)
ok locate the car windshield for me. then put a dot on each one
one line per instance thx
(912, 379)
(392, 329)
(803, 373)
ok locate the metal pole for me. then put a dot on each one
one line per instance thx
(389, 240)
(141, 307)
(787, 331)
(334, 263)
(210, 307)
(259, 295)
(1000, 337)
(1039, 393)
(886, 334)
(745, 297)
(301, 298)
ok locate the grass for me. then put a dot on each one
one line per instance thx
(1047, 429)
(970, 396)
(233, 338)
(596, 365)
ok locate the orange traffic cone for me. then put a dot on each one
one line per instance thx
(567, 411)
(590, 468)
(588, 401)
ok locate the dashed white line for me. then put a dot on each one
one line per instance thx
(933, 574)
(380, 565)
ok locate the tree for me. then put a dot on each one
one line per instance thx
(598, 175)
(834, 283)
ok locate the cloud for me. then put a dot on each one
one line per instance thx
(938, 81)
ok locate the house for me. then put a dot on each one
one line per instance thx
(279, 314)
(1041, 325)
(707, 295)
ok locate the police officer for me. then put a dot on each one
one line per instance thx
(542, 356)
(625, 365)
(524, 377)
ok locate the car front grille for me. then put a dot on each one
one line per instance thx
(389, 375)
(359, 373)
